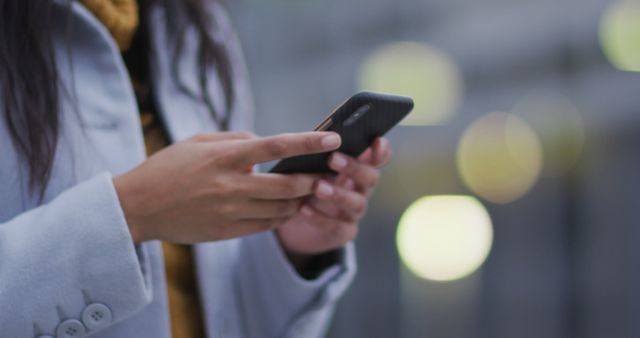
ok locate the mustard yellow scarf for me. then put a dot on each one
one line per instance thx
(120, 17)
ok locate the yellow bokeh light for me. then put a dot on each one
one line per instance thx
(425, 73)
(499, 157)
(620, 35)
(560, 127)
(444, 238)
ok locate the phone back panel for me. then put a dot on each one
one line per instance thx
(384, 112)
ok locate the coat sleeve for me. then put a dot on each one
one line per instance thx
(277, 302)
(70, 266)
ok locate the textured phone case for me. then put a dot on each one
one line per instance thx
(385, 111)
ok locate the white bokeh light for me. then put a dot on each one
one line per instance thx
(444, 238)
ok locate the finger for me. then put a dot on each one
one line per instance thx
(382, 153)
(364, 175)
(223, 136)
(378, 155)
(348, 183)
(337, 232)
(279, 186)
(325, 207)
(366, 156)
(343, 181)
(285, 145)
(352, 203)
(260, 209)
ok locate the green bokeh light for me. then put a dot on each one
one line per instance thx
(420, 71)
(620, 35)
(500, 157)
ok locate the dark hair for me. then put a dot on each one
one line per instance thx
(29, 83)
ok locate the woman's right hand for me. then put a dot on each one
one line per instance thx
(203, 189)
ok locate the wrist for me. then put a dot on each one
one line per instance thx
(127, 204)
(311, 265)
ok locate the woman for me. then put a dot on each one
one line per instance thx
(98, 240)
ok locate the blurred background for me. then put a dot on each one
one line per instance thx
(511, 208)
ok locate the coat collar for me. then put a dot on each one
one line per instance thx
(183, 115)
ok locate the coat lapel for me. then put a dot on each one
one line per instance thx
(98, 91)
(184, 115)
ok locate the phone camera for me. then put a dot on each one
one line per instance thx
(357, 115)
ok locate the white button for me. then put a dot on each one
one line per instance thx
(96, 316)
(71, 328)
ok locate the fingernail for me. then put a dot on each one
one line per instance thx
(338, 161)
(325, 189)
(331, 142)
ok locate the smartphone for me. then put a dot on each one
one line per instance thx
(359, 121)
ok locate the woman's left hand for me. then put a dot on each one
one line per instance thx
(329, 219)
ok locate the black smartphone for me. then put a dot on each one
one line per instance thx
(359, 121)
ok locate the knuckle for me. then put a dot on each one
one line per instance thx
(298, 186)
(310, 144)
(374, 178)
(215, 188)
(352, 167)
(225, 190)
(246, 135)
(289, 188)
(231, 190)
(276, 148)
(360, 207)
(228, 156)
(228, 209)
(340, 196)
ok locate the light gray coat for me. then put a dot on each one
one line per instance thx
(68, 266)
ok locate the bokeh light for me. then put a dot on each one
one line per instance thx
(444, 238)
(620, 35)
(499, 157)
(425, 73)
(560, 127)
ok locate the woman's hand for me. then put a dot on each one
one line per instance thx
(329, 219)
(203, 189)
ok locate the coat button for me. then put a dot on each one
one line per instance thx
(71, 328)
(96, 316)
